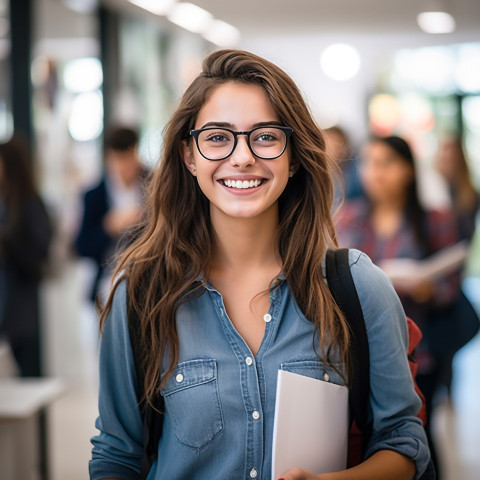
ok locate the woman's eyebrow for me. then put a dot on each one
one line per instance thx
(218, 124)
(266, 124)
(231, 126)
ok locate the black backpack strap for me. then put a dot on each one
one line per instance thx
(152, 419)
(340, 281)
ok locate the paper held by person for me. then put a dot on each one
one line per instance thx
(311, 425)
(405, 271)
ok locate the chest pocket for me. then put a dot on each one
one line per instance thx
(314, 369)
(192, 401)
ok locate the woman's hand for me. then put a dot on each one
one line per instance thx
(420, 291)
(382, 465)
(300, 474)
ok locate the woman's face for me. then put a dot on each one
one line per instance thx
(239, 107)
(384, 174)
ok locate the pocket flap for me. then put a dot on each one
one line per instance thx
(191, 373)
(313, 369)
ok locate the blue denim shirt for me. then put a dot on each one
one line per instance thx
(220, 401)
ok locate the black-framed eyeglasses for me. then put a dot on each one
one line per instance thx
(267, 143)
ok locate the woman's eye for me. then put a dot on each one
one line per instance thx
(217, 137)
(266, 137)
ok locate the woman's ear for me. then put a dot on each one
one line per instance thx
(188, 158)
(293, 169)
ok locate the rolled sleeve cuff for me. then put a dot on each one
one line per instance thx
(410, 446)
(104, 469)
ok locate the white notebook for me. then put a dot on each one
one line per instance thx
(311, 425)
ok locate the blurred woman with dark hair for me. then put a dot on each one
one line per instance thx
(390, 223)
(25, 234)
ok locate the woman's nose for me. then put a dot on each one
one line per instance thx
(242, 156)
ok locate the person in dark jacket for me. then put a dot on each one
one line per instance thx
(25, 234)
(112, 207)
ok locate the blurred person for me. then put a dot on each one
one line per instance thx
(338, 146)
(223, 288)
(113, 206)
(452, 165)
(391, 223)
(25, 235)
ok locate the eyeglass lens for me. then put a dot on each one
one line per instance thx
(265, 142)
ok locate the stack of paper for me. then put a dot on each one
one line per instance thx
(311, 425)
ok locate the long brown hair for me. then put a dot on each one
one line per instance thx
(175, 245)
(17, 185)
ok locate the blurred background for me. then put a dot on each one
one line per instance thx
(70, 69)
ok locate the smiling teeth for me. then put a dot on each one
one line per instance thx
(242, 184)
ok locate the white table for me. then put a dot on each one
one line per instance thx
(22, 402)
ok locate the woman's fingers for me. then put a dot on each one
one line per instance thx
(299, 474)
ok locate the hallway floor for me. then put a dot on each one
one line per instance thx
(72, 342)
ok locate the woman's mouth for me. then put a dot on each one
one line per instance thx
(241, 184)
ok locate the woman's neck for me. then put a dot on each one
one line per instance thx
(387, 217)
(389, 206)
(243, 244)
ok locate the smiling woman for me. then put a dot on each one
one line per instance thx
(256, 163)
(224, 287)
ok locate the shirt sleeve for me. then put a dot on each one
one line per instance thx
(117, 449)
(393, 402)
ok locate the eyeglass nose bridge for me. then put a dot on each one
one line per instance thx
(247, 139)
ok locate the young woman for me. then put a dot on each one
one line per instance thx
(25, 236)
(227, 281)
(390, 223)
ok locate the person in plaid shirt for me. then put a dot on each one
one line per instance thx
(390, 223)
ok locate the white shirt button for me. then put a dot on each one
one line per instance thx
(253, 473)
(267, 317)
(179, 378)
(326, 377)
(249, 360)
(255, 415)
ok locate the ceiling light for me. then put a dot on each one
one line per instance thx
(83, 75)
(436, 22)
(340, 61)
(191, 17)
(86, 118)
(157, 7)
(222, 34)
